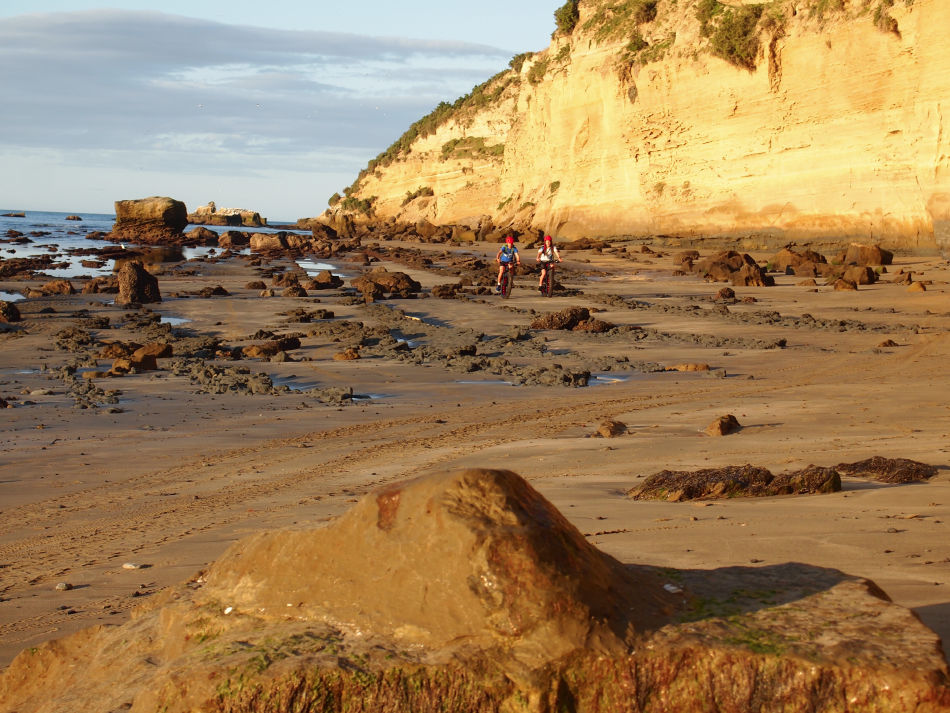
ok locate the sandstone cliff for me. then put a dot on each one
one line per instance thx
(792, 120)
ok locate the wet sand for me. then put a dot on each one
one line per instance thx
(167, 477)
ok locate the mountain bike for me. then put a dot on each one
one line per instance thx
(547, 285)
(507, 277)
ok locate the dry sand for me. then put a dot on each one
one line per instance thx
(175, 476)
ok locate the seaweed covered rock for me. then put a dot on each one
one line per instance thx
(888, 470)
(734, 481)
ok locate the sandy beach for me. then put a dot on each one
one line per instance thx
(164, 476)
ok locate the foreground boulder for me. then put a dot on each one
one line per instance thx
(149, 221)
(468, 591)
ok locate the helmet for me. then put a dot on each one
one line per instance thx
(509, 239)
(548, 239)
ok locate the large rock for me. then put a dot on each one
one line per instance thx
(268, 242)
(201, 236)
(788, 258)
(325, 280)
(858, 254)
(567, 318)
(740, 269)
(136, 285)
(233, 239)
(58, 287)
(468, 591)
(149, 221)
(380, 282)
(859, 275)
(9, 312)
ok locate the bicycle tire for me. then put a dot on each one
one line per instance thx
(506, 283)
(549, 281)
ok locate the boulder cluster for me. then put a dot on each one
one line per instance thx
(754, 481)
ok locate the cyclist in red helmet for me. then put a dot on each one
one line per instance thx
(547, 253)
(507, 254)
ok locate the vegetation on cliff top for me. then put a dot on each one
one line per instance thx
(482, 95)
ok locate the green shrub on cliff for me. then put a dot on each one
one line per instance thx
(736, 38)
(538, 70)
(333, 200)
(566, 17)
(517, 62)
(418, 193)
(470, 147)
(612, 21)
(482, 95)
(882, 18)
(825, 7)
(357, 205)
(733, 32)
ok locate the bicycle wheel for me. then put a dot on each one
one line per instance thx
(549, 282)
(506, 283)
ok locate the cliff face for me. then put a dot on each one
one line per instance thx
(835, 129)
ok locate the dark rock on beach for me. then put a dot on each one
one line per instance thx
(9, 312)
(136, 285)
(724, 425)
(734, 481)
(567, 318)
(888, 470)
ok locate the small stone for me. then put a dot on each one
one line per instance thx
(131, 565)
(724, 425)
(63, 587)
(611, 428)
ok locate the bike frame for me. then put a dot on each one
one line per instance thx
(506, 279)
(548, 283)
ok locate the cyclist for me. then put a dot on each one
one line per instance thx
(506, 255)
(546, 253)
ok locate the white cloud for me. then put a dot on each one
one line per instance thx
(160, 93)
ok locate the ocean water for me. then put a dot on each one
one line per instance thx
(50, 233)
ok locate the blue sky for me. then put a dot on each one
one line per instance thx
(271, 106)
